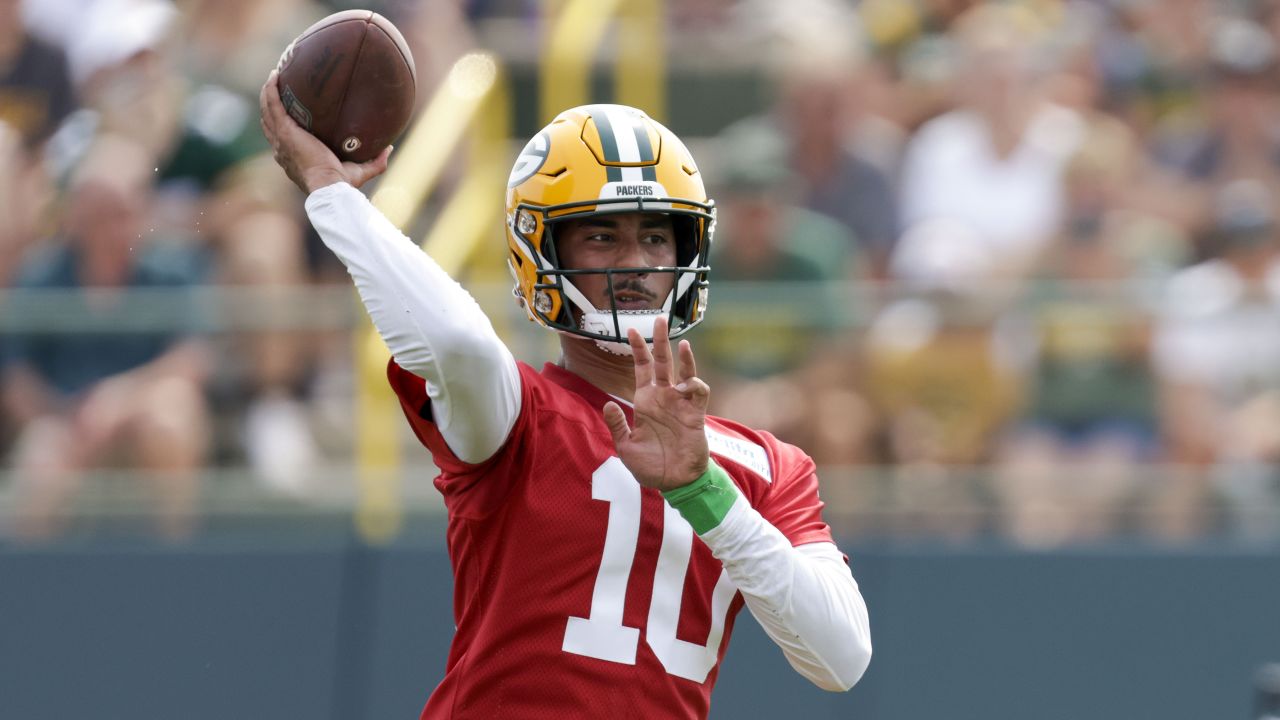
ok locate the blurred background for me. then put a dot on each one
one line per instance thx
(1009, 271)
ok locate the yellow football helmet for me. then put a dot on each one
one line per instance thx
(598, 159)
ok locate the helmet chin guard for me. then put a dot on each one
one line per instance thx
(601, 322)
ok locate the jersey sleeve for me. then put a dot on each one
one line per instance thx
(470, 490)
(792, 503)
(779, 553)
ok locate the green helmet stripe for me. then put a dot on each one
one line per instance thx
(642, 142)
(608, 143)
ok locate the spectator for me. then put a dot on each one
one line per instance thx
(25, 193)
(813, 110)
(36, 96)
(85, 400)
(35, 86)
(15, 234)
(227, 43)
(815, 58)
(1154, 56)
(765, 239)
(779, 269)
(122, 74)
(1217, 352)
(836, 182)
(996, 161)
(1089, 420)
(1236, 137)
(212, 187)
(941, 375)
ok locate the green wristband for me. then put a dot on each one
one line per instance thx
(706, 501)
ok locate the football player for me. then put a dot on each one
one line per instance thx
(604, 531)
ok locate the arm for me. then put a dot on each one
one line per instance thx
(432, 326)
(109, 402)
(805, 597)
(26, 395)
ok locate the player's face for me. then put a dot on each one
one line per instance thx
(625, 240)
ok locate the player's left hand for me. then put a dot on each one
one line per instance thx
(667, 448)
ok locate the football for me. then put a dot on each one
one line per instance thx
(350, 81)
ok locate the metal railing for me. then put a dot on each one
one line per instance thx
(891, 500)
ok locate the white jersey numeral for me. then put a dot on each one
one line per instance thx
(602, 635)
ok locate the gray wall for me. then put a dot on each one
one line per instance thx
(252, 629)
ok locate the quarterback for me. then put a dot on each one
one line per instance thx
(604, 531)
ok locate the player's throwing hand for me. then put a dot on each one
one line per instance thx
(667, 448)
(308, 162)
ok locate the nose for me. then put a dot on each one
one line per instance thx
(632, 253)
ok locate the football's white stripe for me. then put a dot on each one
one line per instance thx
(624, 133)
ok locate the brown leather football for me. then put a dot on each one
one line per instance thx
(350, 81)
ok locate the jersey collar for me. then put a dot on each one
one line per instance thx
(579, 386)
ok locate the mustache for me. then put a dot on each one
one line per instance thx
(635, 286)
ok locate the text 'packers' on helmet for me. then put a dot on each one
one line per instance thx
(595, 160)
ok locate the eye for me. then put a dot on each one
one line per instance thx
(657, 239)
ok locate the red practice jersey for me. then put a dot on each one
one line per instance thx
(578, 593)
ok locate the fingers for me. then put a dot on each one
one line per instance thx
(691, 386)
(366, 171)
(662, 363)
(696, 391)
(268, 127)
(616, 420)
(275, 117)
(688, 366)
(269, 101)
(642, 357)
(308, 162)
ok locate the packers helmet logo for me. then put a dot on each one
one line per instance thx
(531, 159)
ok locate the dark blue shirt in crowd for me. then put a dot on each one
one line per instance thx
(127, 330)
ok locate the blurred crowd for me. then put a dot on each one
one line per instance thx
(1004, 268)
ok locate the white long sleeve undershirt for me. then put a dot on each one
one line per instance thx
(805, 597)
(433, 326)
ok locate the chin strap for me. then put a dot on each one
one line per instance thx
(614, 348)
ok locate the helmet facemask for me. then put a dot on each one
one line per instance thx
(575, 314)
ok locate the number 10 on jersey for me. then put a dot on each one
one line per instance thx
(602, 635)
